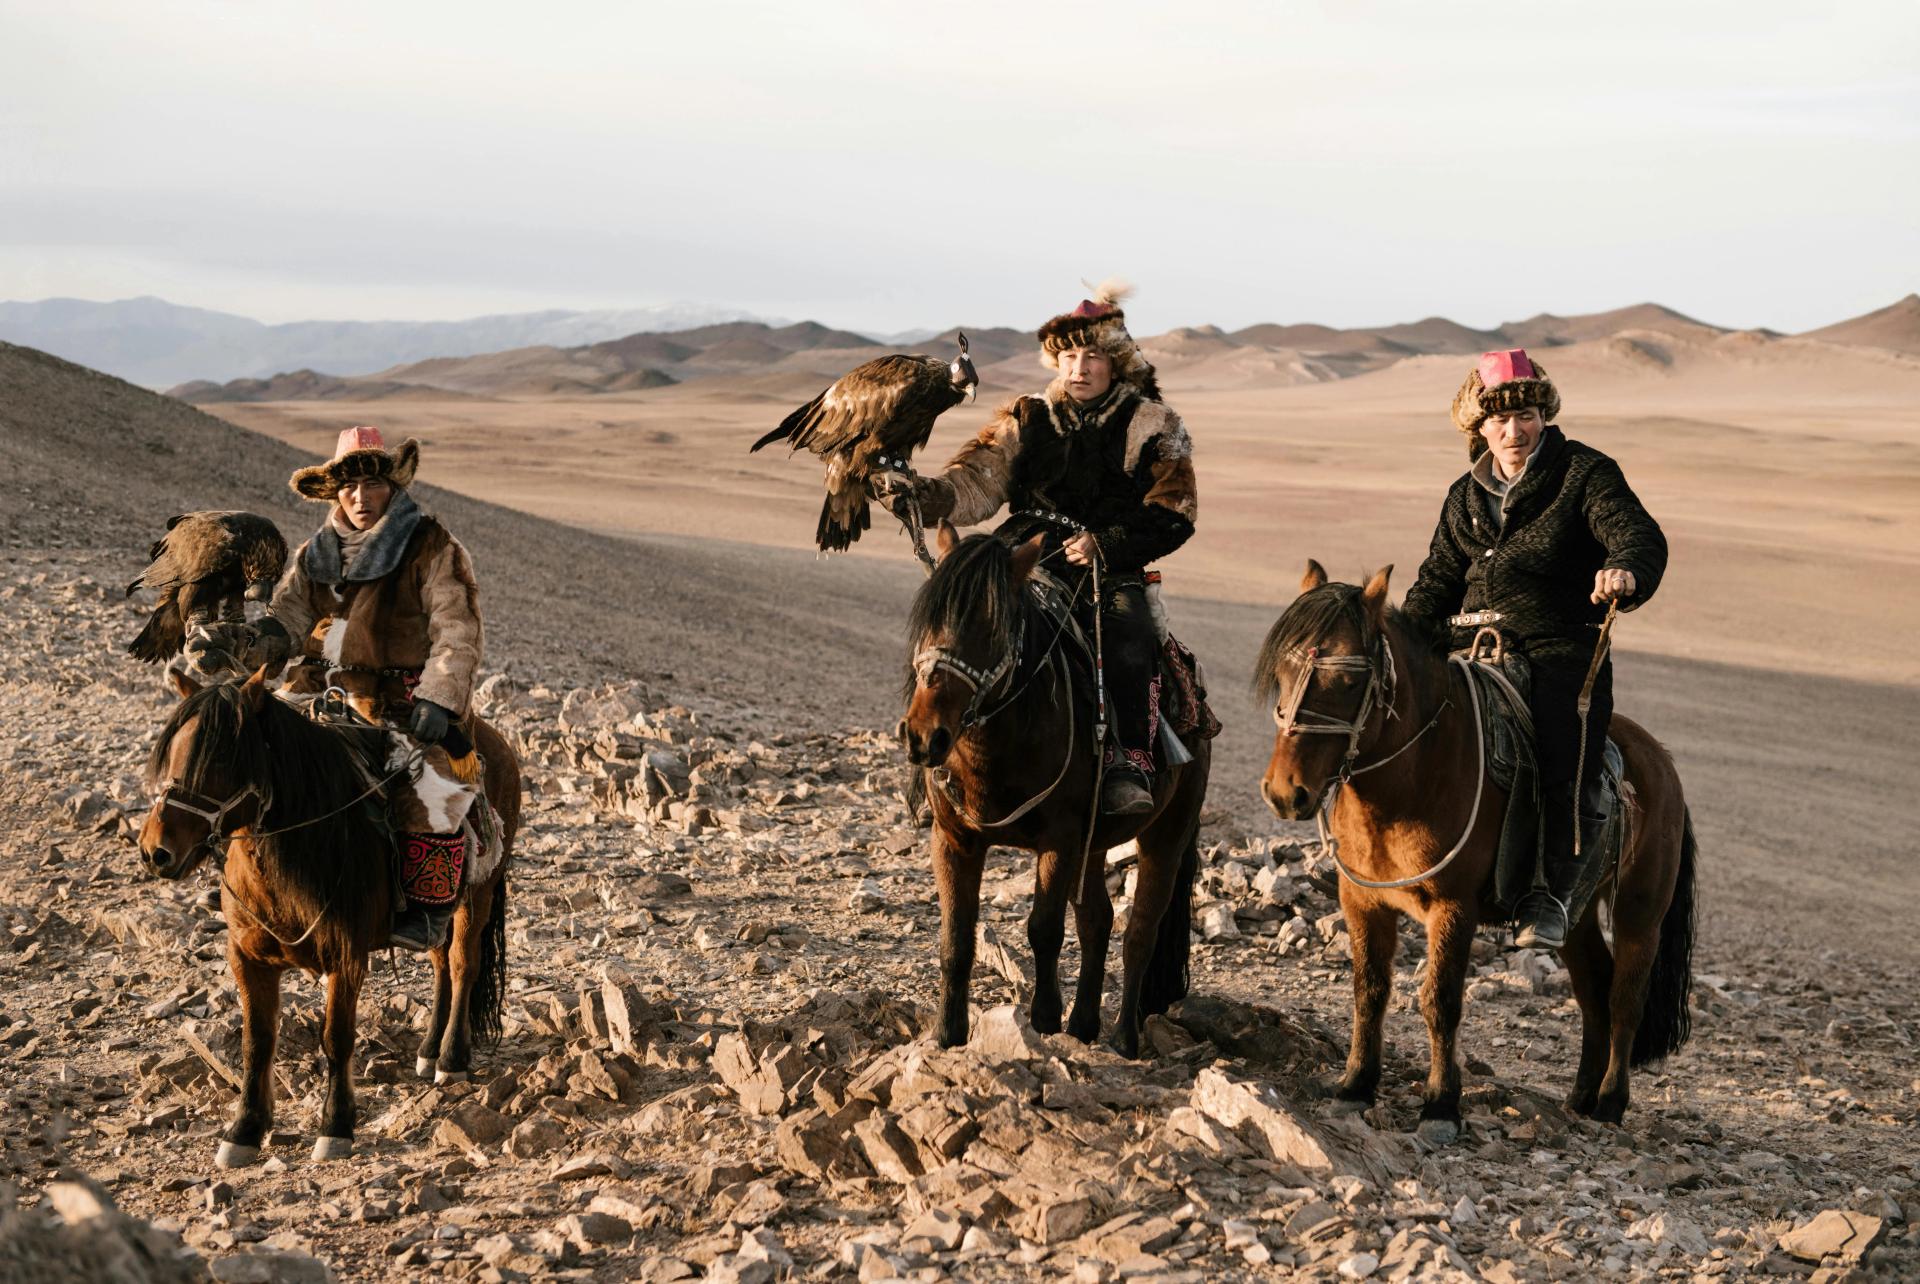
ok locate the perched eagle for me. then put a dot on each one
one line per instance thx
(204, 566)
(870, 421)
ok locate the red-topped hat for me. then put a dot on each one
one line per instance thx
(359, 454)
(364, 437)
(1497, 368)
(1093, 310)
(1501, 383)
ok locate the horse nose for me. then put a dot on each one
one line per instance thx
(1291, 807)
(160, 859)
(939, 743)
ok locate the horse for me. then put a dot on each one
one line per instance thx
(1402, 744)
(992, 708)
(307, 880)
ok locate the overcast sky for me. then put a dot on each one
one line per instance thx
(887, 165)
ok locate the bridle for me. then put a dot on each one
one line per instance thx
(1380, 669)
(215, 814)
(982, 681)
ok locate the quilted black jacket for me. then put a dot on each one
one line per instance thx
(1571, 515)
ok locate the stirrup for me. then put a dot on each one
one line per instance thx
(1531, 935)
(420, 928)
(1125, 793)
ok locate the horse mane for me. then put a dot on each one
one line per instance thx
(971, 588)
(1314, 614)
(334, 863)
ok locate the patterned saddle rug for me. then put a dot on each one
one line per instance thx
(1181, 713)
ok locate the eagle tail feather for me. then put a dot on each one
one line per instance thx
(835, 535)
(162, 637)
(792, 424)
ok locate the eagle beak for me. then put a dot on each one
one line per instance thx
(973, 390)
(259, 591)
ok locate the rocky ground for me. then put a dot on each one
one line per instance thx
(722, 957)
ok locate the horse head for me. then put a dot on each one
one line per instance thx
(964, 635)
(202, 774)
(1326, 674)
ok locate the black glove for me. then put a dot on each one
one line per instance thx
(272, 643)
(429, 723)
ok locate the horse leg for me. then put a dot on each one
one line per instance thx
(1093, 924)
(424, 1061)
(339, 1115)
(1634, 945)
(463, 953)
(260, 1015)
(1373, 930)
(1046, 932)
(1590, 968)
(1449, 950)
(957, 864)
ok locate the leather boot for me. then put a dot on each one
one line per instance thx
(1542, 912)
(1125, 793)
(420, 928)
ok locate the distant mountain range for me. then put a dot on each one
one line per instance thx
(231, 358)
(153, 342)
(754, 358)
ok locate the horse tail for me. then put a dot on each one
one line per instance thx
(1667, 1020)
(490, 986)
(1165, 982)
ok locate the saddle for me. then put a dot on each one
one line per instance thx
(1179, 684)
(1504, 682)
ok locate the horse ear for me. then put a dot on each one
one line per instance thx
(946, 537)
(254, 690)
(1374, 595)
(1316, 576)
(1026, 557)
(182, 684)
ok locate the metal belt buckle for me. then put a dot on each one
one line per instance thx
(1475, 619)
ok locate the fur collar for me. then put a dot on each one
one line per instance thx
(380, 551)
(1071, 418)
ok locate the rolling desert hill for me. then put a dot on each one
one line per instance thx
(796, 360)
(1895, 327)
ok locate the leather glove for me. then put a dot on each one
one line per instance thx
(429, 722)
(933, 494)
(272, 644)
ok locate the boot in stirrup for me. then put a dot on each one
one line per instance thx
(420, 928)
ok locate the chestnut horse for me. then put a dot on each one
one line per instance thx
(307, 881)
(997, 710)
(1403, 750)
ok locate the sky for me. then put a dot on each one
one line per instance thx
(885, 166)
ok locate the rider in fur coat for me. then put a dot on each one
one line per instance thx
(1102, 450)
(381, 602)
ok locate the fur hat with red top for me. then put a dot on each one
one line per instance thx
(359, 455)
(1502, 383)
(1098, 323)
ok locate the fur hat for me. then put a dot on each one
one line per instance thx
(1099, 323)
(360, 454)
(1503, 382)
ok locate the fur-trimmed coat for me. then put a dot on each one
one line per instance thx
(423, 616)
(1126, 474)
(1570, 515)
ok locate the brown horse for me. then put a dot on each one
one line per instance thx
(1403, 745)
(307, 881)
(995, 710)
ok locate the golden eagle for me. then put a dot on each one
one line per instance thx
(204, 566)
(871, 421)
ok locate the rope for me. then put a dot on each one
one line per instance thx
(1332, 846)
(1585, 703)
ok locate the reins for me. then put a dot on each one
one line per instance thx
(1378, 664)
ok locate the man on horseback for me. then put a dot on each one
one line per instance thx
(383, 603)
(1534, 540)
(1105, 469)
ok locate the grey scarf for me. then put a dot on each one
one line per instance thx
(337, 558)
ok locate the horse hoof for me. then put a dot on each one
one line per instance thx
(1438, 1132)
(423, 1067)
(332, 1147)
(232, 1154)
(449, 1076)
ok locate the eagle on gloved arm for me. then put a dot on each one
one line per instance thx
(870, 421)
(206, 566)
